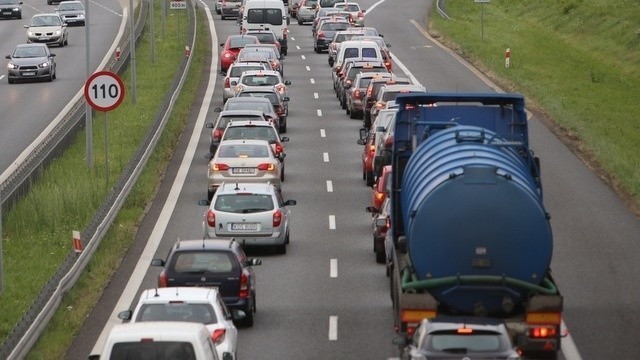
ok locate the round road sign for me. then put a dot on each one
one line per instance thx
(104, 90)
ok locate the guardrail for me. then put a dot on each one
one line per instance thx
(32, 324)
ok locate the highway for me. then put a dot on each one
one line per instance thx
(28, 108)
(327, 298)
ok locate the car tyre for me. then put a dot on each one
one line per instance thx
(299, 22)
(380, 257)
(9, 80)
(210, 194)
(282, 174)
(369, 178)
(281, 249)
(348, 111)
(353, 114)
(283, 126)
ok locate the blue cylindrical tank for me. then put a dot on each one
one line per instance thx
(471, 207)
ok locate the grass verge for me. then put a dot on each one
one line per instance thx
(37, 231)
(576, 59)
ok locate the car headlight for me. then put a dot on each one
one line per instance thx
(12, 66)
(57, 32)
(16, 9)
(81, 16)
(30, 33)
(44, 64)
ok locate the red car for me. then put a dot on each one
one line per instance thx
(367, 138)
(231, 48)
(380, 188)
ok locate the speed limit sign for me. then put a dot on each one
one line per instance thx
(104, 90)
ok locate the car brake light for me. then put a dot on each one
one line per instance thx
(320, 35)
(218, 336)
(227, 83)
(211, 218)
(279, 149)
(280, 110)
(219, 167)
(348, 81)
(217, 134)
(411, 330)
(277, 218)
(244, 286)
(543, 332)
(357, 94)
(266, 166)
(372, 148)
(388, 142)
(162, 279)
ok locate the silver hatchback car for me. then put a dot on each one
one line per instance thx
(250, 161)
(253, 214)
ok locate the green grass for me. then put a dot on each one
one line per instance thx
(576, 60)
(37, 230)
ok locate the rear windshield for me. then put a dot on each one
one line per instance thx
(237, 71)
(271, 96)
(158, 350)
(243, 151)
(265, 107)
(473, 343)
(260, 80)
(240, 42)
(335, 26)
(244, 203)
(262, 16)
(178, 311)
(224, 121)
(201, 262)
(251, 132)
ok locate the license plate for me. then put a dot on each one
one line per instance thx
(6, 13)
(44, 38)
(244, 226)
(243, 171)
(29, 73)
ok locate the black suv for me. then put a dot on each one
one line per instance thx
(219, 263)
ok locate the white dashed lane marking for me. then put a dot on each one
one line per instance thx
(329, 186)
(332, 222)
(333, 268)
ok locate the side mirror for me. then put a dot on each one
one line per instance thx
(234, 82)
(208, 156)
(254, 262)
(208, 125)
(204, 202)
(218, 109)
(288, 20)
(125, 315)
(222, 44)
(402, 341)
(287, 82)
(157, 262)
(290, 203)
(371, 209)
(8, 57)
(284, 138)
(52, 54)
(286, 98)
(237, 314)
(364, 133)
(361, 142)
(281, 156)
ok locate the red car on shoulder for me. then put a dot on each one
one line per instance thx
(232, 47)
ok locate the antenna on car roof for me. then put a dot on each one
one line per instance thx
(237, 187)
(156, 295)
(203, 242)
(231, 242)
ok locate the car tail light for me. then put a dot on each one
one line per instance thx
(379, 198)
(277, 218)
(387, 64)
(211, 218)
(244, 286)
(280, 110)
(280, 89)
(218, 336)
(543, 332)
(219, 167)
(388, 142)
(348, 81)
(380, 105)
(372, 149)
(162, 279)
(228, 55)
(227, 83)
(357, 94)
(216, 134)
(285, 31)
(360, 14)
(279, 149)
(266, 166)
(320, 35)
(274, 65)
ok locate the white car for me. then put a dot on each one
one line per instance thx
(47, 29)
(356, 14)
(190, 304)
(252, 214)
(267, 78)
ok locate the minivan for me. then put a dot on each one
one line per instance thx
(266, 15)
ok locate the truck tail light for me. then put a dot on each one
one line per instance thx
(277, 218)
(218, 336)
(219, 167)
(211, 218)
(162, 279)
(543, 332)
(244, 286)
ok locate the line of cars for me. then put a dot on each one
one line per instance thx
(34, 60)
(366, 88)
(211, 280)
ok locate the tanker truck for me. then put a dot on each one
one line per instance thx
(469, 234)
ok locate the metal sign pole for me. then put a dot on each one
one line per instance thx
(88, 112)
(132, 46)
(1, 240)
(153, 33)
(106, 150)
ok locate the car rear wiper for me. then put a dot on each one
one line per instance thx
(252, 210)
(196, 271)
